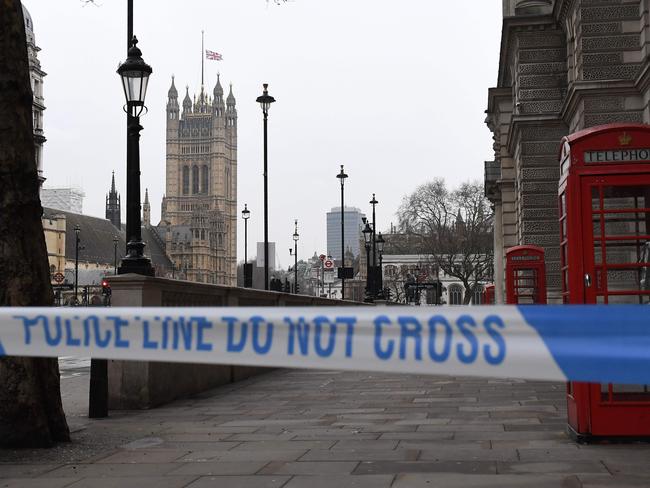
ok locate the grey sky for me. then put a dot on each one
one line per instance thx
(395, 90)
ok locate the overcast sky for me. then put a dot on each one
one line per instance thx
(394, 90)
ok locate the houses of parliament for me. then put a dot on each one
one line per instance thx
(199, 210)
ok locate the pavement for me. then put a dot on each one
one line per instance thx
(313, 429)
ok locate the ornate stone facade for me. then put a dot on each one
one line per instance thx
(36, 75)
(565, 65)
(199, 211)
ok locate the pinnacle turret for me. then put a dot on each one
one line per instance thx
(172, 93)
(218, 89)
(187, 101)
(231, 98)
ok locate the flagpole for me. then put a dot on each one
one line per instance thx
(202, 59)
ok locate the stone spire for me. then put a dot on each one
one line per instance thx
(218, 89)
(146, 210)
(172, 101)
(113, 207)
(172, 93)
(230, 101)
(187, 101)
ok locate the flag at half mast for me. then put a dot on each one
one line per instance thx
(214, 56)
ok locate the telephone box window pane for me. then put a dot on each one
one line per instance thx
(626, 196)
(625, 393)
(627, 279)
(626, 224)
(595, 198)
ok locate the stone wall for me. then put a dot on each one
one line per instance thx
(140, 384)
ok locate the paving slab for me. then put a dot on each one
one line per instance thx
(454, 480)
(368, 481)
(395, 467)
(239, 482)
(310, 468)
(36, 483)
(218, 468)
(135, 482)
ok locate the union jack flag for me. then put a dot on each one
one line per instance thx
(213, 56)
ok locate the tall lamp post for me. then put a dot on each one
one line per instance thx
(134, 73)
(380, 275)
(296, 236)
(77, 230)
(374, 202)
(265, 101)
(116, 240)
(246, 214)
(342, 176)
(367, 236)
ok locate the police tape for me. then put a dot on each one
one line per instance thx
(581, 343)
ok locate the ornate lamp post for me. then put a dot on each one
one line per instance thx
(77, 230)
(295, 256)
(367, 236)
(134, 73)
(374, 281)
(246, 214)
(265, 101)
(380, 275)
(115, 242)
(342, 176)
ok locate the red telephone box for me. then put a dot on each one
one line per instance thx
(525, 275)
(488, 295)
(604, 200)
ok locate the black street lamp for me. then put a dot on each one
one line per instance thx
(380, 275)
(374, 202)
(77, 230)
(265, 101)
(367, 236)
(246, 214)
(295, 256)
(115, 241)
(342, 176)
(135, 78)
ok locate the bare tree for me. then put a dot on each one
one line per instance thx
(453, 228)
(31, 414)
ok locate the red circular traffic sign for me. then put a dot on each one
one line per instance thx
(58, 277)
(322, 257)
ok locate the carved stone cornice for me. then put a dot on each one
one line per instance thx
(561, 9)
(512, 25)
(579, 89)
(520, 121)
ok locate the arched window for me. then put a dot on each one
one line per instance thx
(195, 180)
(186, 180)
(455, 294)
(477, 296)
(204, 180)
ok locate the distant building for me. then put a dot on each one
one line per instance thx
(64, 199)
(97, 252)
(260, 255)
(36, 75)
(353, 226)
(113, 206)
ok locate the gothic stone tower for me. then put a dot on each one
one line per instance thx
(113, 210)
(200, 206)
